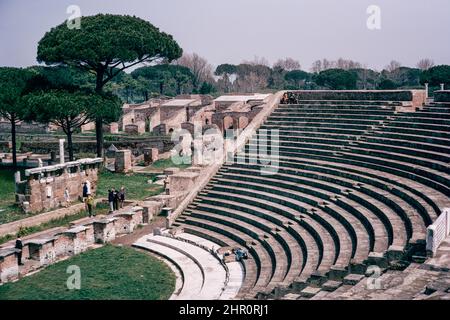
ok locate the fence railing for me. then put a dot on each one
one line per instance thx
(438, 231)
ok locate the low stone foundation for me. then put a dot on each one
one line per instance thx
(53, 246)
(416, 97)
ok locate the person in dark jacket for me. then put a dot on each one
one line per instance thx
(111, 200)
(19, 247)
(116, 200)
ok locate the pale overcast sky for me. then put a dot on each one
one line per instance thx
(233, 30)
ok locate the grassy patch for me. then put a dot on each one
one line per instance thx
(162, 164)
(136, 185)
(108, 273)
(8, 210)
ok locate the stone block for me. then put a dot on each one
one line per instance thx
(377, 259)
(309, 292)
(81, 238)
(353, 279)
(105, 230)
(9, 268)
(150, 210)
(395, 253)
(150, 155)
(126, 222)
(331, 285)
(136, 128)
(42, 250)
(123, 161)
(170, 171)
(337, 273)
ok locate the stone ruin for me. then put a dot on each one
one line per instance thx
(41, 250)
(43, 187)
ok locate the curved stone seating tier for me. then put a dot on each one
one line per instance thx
(235, 269)
(351, 111)
(263, 260)
(355, 182)
(406, 155)
(426, 147)
(279, 256)
(204, 277)
(424, 205)
(406, 188)
(272, 211)
(286, 242)
(251, 269)
(300, 226)
(341, 204)
(415, 138)
(292, 130)
(366, 197)
(416, 131)
(361, 103)
(433, 178)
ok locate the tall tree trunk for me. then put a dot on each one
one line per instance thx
(99, 120)
(161, 88)
(99, 134)
(70, 143)
(13, 141)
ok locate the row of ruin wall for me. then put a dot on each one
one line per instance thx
(42, 252)
(46, 250)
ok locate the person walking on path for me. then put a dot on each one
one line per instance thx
(116, 200)
(85, 191)
(19, 247)
(122, 197)
(67, 197)
(111, 200)
(90, 205)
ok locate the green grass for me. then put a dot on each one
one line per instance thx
(8, 210)
(107, 273)
(163, 164)
(136, 185)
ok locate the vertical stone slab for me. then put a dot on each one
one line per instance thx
(150, 155)
(123, 161)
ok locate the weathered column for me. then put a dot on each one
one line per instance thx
(61, 151)
(16, 179)
(442, 87)
(426, 90)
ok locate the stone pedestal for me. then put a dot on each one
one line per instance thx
(81, 238)
(9, 268)
(150, 155)
(123, 161)
(105, 230)
(42, 250)
(150, 209)
(128, 221)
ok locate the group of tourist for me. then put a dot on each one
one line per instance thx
(116, 199)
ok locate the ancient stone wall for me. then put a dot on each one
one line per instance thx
(416, 96)
(44, 187)
(137, 145)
